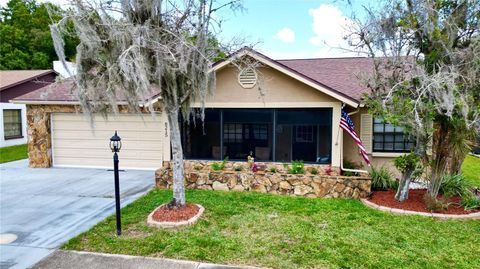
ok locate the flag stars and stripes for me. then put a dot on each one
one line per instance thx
(347, 125)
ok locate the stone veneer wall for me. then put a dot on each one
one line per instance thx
(199, 176)
(39, 131)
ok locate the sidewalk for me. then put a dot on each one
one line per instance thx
(82, 260)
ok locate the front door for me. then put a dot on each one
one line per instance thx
(304, 142)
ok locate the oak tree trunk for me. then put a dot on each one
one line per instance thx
(404, 185)
(439, 163)
(177, 152)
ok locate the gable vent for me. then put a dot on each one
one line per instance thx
(247, 78)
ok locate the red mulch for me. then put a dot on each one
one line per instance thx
(415, 202)
(175, 215)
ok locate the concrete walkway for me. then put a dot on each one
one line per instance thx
(45, 207)
(81, 260)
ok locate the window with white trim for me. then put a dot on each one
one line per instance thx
(389, 138)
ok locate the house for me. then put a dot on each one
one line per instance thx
(14, 83)
(295, 116)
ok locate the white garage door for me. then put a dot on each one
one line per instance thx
(76, 143)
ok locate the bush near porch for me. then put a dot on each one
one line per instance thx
(289, 232)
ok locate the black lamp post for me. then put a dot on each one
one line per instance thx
(115, 146)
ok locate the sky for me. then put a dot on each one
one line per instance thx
(288, 29)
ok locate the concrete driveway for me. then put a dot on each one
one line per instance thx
(46, 207)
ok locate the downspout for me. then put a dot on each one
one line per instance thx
(341, 150)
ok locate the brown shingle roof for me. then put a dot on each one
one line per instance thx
(64, 91)
(342, 74)
(9, 78)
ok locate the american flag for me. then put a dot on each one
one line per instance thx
(347, 124)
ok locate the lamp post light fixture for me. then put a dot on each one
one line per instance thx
(115, 146)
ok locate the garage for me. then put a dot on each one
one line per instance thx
(76, 144)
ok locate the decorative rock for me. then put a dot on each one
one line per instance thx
(238, 188)
(219, 186)
(302, 190)
(259, 188)
(284, 185)
(308, 185)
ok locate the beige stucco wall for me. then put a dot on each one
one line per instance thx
(279, 90)
(350, 149)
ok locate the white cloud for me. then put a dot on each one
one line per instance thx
(286, 35)
(330, 27)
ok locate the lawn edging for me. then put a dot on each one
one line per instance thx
(398, 211)
(171, 224)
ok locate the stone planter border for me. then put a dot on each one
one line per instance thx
(171, 224)
(398, 211)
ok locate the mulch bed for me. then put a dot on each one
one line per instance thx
(175, 215)
(415, 202)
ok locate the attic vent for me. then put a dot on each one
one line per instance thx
(247, 78)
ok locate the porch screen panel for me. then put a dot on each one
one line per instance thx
(202, 140)
(248, 131)
(304, 134)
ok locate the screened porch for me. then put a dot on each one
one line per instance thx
(276, 135)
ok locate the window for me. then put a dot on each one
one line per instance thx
(12, 123)
(304, 134)
(388, 138)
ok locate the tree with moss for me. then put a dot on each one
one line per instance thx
(133, 48)
(25, 37)
(426, 77)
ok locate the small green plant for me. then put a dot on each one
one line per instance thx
(458, 185)
(297, 167)
(382, 178)
(349, 165)
(313, 170)
(198, 167)
(217, 166)
(272, 169)
(453, 185)
(470, 202)
(406, 162)
(238, 168)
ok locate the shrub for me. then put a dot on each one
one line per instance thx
(328, 170)
(216, 166)
(272, 169)
(238, 168)
(434, 204)
(382, 178)
(458, 185)
(453, 185)
(470, 202)
(406, 162)
(313, 170)
(297, 167)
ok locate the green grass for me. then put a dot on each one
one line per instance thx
(289, 232)
(13, 153)
(471, 170)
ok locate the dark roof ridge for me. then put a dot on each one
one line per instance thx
(322, 58)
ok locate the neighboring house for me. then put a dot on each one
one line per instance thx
(15, 83)
(296, 117)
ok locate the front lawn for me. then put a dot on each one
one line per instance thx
(289, 232)
(471, 170)
(13, 153)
